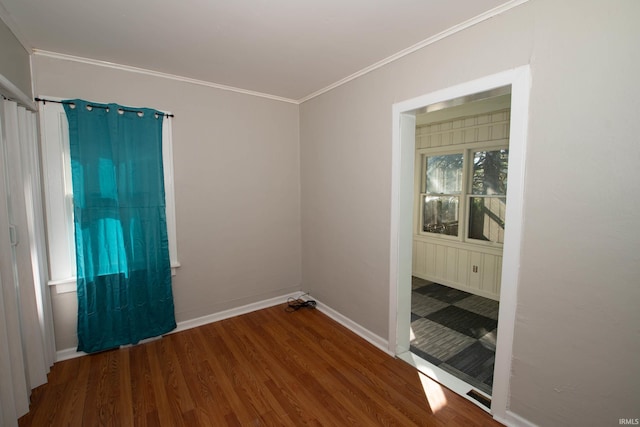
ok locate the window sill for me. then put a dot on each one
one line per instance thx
(67, 285)
(64, 286)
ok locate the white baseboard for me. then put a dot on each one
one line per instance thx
(70, 353)
(354, 327)
(364, 333)
(514, 420)
(232, 312)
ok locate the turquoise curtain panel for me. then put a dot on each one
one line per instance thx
(122, 248)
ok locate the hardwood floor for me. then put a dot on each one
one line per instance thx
(268, 367)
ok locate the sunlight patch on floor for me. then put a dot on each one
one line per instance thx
(433, 391)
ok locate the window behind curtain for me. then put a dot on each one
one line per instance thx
(59, 195)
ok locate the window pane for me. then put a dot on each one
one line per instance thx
(486, 218)
(444, 174)
(440, 215)
(490, 172)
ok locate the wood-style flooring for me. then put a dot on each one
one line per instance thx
(269, 367)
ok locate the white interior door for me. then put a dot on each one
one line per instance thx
(14, 392)
(26, 329)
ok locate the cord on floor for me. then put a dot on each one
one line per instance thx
(295, 304)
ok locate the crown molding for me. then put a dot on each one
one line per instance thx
(446, 33)
(106, 64)
(433, 39)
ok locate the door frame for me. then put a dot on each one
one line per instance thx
(401, 244)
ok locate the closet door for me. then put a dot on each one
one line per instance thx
(28, 351)
(14, 393)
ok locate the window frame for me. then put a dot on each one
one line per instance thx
(464, 205)
(470, 195)
(424, 155)
(54, 136)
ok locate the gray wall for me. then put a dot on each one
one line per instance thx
(236, 164)
(577, 334)
(15, 60)
(237, 167)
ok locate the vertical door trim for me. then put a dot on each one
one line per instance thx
(403, 154)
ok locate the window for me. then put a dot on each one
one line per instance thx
(469, 184)
(443, 187)
(487, 204)
(59, 196)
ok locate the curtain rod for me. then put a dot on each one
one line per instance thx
(44, 101)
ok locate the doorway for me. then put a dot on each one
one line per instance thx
(461, 176)
(402, 227)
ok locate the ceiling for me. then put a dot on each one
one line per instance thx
(284, 48)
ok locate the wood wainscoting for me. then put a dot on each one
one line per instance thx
(461, 266)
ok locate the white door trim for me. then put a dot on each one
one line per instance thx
(402, 181)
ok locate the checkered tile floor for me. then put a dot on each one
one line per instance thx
(455, 331)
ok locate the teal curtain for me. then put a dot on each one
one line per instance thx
(122, 247)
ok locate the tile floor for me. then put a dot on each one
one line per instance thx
(455, 331)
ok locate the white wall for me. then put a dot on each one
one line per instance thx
(236, 164)
(14, 63)
(577, 338)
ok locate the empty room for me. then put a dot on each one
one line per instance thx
(322, 212)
